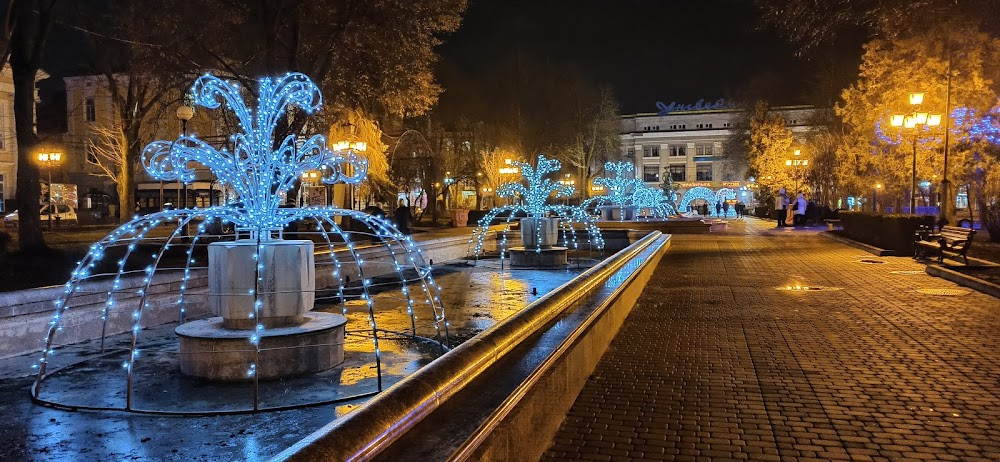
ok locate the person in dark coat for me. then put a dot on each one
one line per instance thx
(718, 208)
(402, 216)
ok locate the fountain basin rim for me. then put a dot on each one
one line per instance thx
(212, 327)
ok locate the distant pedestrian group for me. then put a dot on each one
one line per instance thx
(790, 213)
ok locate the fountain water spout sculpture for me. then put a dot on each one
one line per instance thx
(540, 227)
(261, 287)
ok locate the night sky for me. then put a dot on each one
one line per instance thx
(676, 50)
(647, 50)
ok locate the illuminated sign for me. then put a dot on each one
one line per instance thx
(701, 105)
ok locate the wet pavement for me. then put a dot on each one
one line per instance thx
(730, 354)
(475, 298)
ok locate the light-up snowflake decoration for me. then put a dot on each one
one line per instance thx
(151, 269)
(533, 202)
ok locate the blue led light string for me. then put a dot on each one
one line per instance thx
(147, 282)
(365, 296)
(335, 262)
(387, 228)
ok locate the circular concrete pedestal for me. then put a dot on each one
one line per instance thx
(210, 351)
(532, 258)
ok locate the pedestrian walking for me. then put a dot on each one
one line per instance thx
(402, 216)
(740, 209)
(725, 209)
(781, 207)
(718, 208)
(799, 209)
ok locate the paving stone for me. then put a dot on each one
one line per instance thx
(715, 363)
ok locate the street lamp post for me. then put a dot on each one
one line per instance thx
(914, 121)
(349, 145)
(49, 159)
(875, 197)
(798, 162)
(184, 113)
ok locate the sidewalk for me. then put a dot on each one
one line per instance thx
(715, 362)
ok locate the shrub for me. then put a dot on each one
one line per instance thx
(892, 232)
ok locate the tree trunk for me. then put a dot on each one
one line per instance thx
(29, 191)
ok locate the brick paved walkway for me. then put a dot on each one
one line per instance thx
(714, 363)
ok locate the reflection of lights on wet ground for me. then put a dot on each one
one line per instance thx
(623, 274)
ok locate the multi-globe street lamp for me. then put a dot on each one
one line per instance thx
(350, 146)
(914, 121)
(797, 163)
(49, 160)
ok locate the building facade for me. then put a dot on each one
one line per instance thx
(688, 145)
(90, 114)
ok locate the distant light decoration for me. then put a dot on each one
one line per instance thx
(976, 126)
(625, 190)
(259, 175)
(707, 195)
(533, 198)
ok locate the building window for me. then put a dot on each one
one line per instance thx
(90, 110)
(650, 151)
(91, 155)
(651, 173)
(704, 150)
(727, 124)
(678, 151)
(630, 152)
(676, 172)
(704, 172)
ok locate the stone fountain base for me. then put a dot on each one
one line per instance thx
(538, 258)
(211, 351)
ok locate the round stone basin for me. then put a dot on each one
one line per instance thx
(210, 351)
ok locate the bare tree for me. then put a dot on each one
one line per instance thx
(109, 151)
(594, 137)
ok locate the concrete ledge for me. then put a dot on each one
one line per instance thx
(669, 226)
(536, 409)
(370, 431)
(965, 280)
(858, 245)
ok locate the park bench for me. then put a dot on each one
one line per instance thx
(950, 240)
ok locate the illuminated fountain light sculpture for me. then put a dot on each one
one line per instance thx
(540, 228)
(247, 315)
(615, 205)
(628, 197)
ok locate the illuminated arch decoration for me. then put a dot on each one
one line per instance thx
(533, 197)
(157, 247)
(725, 194)
(698, 192)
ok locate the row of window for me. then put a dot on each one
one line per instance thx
(651, 173)
(653, 128)
(674, 150)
